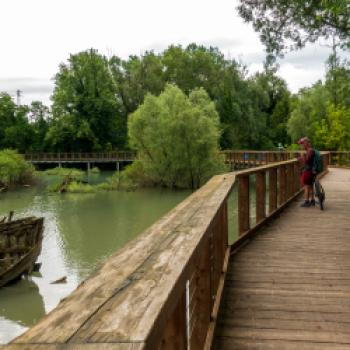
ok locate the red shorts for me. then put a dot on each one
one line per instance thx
(307, 178)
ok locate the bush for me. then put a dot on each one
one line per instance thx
(95, 170)
(72, 172)
(126, 180)
(14, 170)
(77, 187)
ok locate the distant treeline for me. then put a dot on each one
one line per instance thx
(94, 96)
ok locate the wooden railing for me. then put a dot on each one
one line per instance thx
(339, 159)
(80, 156)
(163, 289)
(256, 158)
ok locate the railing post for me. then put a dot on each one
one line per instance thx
(282, 185)
(272, 190)
(296, 177)
(290, 181)
(175, 334)
(260, 196)
(243, 205)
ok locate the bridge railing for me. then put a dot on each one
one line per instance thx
(257, 158)
(339, 159)
(80, 156)
(163, 289)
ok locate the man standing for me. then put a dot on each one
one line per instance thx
(307, 176)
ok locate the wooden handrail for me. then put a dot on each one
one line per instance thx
(163, 289)
(57, 157)
(340, 159)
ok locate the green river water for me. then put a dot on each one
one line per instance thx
(81, 231)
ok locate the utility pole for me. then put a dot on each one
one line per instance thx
(18, 94)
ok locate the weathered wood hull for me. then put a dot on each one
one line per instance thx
(20, 246)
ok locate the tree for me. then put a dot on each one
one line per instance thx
(176, 137)
(277, 108)
(88, 114)
(333, 133)
(7, 115)
(40, 117)
(15, 130)
(136, 77)
(338, 80)
(284, 24)
(308, 110)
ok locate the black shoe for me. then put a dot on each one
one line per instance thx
(306, 204)
(312, 203)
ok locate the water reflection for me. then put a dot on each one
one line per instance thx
(21, 306)
(21, 302)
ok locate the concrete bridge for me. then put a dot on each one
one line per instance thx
(185, 283)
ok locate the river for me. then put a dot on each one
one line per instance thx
(81, 231)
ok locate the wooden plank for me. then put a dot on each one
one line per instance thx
(101, 346)
(225, 343)
(272, 190)
(243, 205)
(282, 192)
(289, 288)
(260, 190)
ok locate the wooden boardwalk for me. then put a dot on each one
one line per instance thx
(289, 288)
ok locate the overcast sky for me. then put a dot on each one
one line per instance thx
(39, 34)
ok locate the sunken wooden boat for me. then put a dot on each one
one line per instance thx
(20, 246)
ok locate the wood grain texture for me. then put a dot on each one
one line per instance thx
(289, 288)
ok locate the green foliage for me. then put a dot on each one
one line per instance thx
(276, 106)
(309, 109)
(240, 102)
(78, 187)
(94, 95)
(323, 111)
(72, 172)
(87, 114)
(95, 170)
(333, 133)
(127, 180)
(292, 23)
(176, 137)
(14, 169)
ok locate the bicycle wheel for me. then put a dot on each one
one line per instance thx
(319, 193)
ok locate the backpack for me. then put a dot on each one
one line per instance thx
(317, 166)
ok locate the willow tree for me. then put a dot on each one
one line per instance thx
(176, 137)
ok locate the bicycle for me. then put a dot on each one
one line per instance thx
(319, 193)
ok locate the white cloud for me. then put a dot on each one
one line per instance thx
(39, 34)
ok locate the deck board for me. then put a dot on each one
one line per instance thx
(289, 288)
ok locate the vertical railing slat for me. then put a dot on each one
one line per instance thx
(260, 196)
(243, 205)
